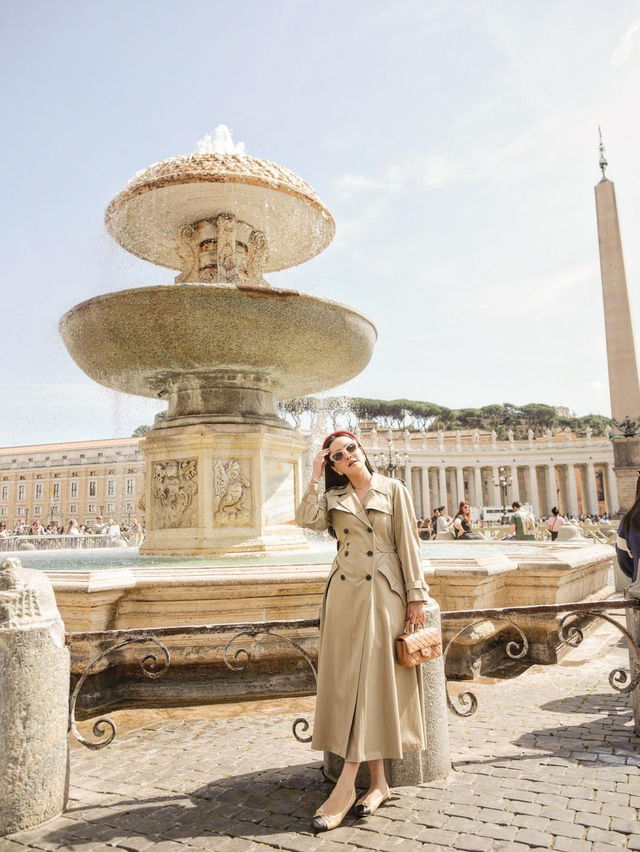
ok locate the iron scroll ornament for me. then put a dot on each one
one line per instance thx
(516, 649)
(300, 722)
(104, 726)
(573, 636)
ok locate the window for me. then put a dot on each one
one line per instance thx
(20, 510)
(56, 491)
(5, 492)
(36, 510)
(73, 492)
(110, 508)
(21, 491)
(91, 507)
(3, 511)
(131, 486)
(37, 493)
(73, 509)
(54, 510)
(92, 488)
(111, 488)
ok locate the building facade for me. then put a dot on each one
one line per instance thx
(81, 480)
(441, 469)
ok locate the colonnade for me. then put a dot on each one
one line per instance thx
(575, 488)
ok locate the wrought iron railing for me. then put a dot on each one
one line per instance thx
(568, 632)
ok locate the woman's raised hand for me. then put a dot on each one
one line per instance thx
(319, 464)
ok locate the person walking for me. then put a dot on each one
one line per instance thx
(554, 522)
(522, 523)
(368, 708)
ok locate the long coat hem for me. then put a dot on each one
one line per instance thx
(365, 757)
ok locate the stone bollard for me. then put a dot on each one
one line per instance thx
(434, 762)
(633, 626)
(34, 700)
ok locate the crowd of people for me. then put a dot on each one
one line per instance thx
(132, 531)
(522, 522)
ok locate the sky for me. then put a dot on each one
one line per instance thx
(455, 142)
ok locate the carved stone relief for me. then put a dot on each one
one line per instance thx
(26, 596)
(232, 498)
(222, 249)
(174, 490)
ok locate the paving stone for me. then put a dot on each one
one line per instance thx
(565, 829)
(497, 832)
(472, 843)
(595, 820)
(534, 838)
(570, 844)
(613, 838)
(634, 842)
(624, 826)
(494, 816)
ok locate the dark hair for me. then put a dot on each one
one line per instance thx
(333, 479)
(516, 505)
(460, 512)
(554, 511)
(632, 517)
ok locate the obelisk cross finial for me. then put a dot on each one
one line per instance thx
(603, 160)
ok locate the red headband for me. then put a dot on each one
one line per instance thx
(329, 438)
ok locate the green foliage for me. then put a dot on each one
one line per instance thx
(418, 416)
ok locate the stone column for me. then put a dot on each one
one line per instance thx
(633, 626)
(477, 479)
(433, 487)
(460, 483)
(592, 494)
(612, 490)
(442, 485)
(408, 481)
(572, 492)
(34, 696)
(515, 485)
(432, 764)
(534, 498)
(425, 502)
(552, 488)
(495, 489)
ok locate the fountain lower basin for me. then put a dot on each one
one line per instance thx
(137, 592)
(217, 352)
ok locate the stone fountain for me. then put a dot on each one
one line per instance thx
(220, 345)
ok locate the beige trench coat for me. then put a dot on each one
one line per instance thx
(367, 706)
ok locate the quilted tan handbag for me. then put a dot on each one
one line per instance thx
(418, 646)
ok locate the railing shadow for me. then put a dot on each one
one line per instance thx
(251, 805)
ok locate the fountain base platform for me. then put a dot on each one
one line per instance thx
(222, 488)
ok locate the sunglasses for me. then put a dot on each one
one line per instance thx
(339, 454)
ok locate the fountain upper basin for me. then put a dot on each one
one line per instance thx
(182, 339)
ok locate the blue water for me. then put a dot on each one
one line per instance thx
(320, 552)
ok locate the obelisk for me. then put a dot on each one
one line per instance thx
(624, 386)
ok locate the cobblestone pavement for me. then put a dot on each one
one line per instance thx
(549, 761)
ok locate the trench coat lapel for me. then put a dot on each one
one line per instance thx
(350, 503)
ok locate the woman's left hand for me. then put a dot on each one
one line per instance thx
(416, 612)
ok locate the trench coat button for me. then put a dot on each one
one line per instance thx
(369, 529)
(346, 532)
(342, 577)
(346, 553)
(369, 552)
(368, 577)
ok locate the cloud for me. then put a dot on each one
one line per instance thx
(625, 46)
(349, 185)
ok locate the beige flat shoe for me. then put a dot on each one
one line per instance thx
(325, 822)
(367, 806)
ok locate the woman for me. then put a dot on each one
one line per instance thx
(555, 522)
(628, 539)
(462, 523)
(368, 708)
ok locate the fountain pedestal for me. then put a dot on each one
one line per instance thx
(222, 488)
